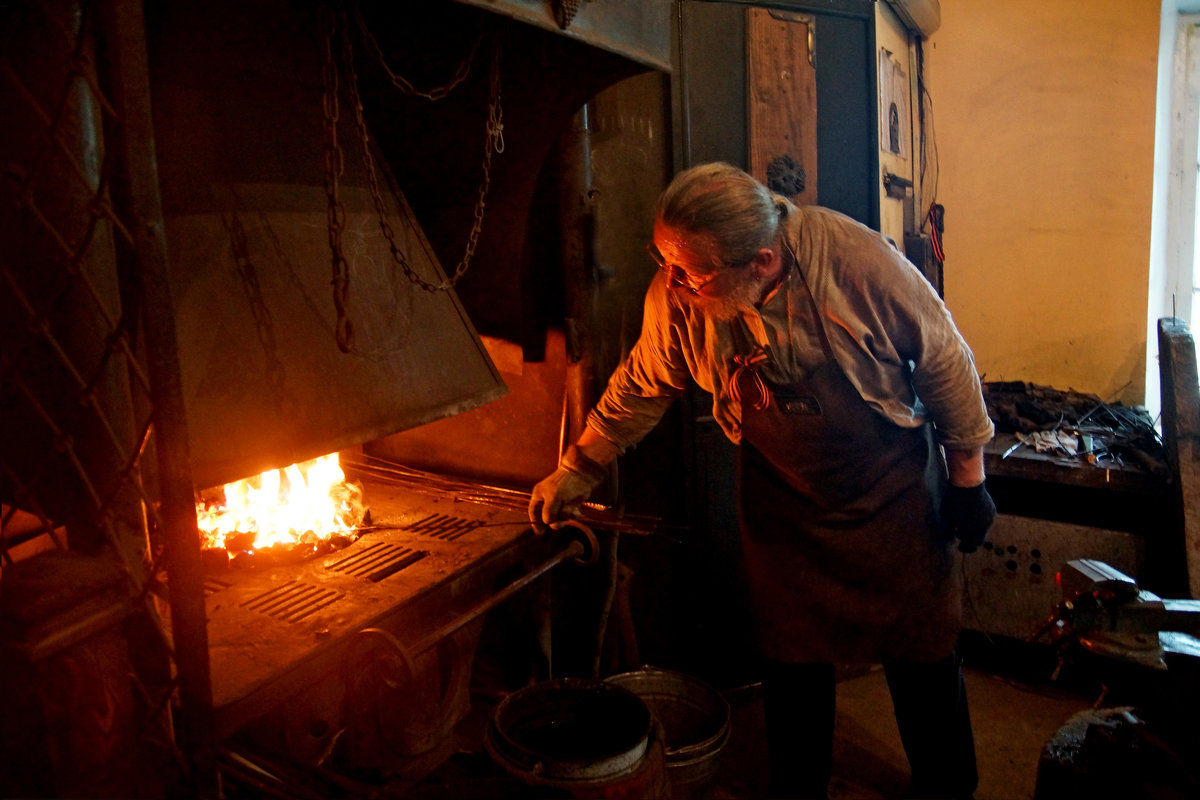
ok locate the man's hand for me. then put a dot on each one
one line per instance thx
(967, 514)
(559, 494)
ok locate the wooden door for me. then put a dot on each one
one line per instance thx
(781, 79)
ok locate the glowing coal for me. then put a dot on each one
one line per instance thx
(305, 508)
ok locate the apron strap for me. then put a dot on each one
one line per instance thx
(812, 302)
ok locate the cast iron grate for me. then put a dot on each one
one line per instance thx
(377, 561)
(293, 601)
(444, 527)
(213, 585)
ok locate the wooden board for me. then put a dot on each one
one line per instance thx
(782, 95)
(1181, 429)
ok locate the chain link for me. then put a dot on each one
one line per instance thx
(402, 83)
(264, 326)
(337, 27)
(493, 143)
(335, 167)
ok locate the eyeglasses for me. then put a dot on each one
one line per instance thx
(677, 277)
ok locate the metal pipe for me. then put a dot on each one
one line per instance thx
(573, 171)
(125, 32)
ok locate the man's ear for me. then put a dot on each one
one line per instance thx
(762, 262)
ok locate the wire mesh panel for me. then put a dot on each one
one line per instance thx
(87, 669)
(76, 401)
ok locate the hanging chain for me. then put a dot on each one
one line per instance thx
(335, 167)
(493, 143)
(402, 83)
(336, 24)
(240, 250)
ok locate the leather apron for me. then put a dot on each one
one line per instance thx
(840, 534)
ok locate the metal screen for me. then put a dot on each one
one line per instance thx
(93, 457)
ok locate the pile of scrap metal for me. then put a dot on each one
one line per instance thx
(1075, 424)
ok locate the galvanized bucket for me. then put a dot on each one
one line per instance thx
(695, 721)
(579, 737)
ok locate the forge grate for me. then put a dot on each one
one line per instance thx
(444, 527)
(213, 585)
(377, 561)
(293, 601)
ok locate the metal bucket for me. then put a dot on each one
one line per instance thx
(695, 721)
(580, 737)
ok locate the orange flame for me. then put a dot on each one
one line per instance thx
(306, 502)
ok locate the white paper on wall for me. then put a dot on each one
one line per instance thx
(894, 121)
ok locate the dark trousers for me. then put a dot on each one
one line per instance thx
(930, 704)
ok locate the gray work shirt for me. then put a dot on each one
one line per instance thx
(889, 331)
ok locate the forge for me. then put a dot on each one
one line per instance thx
(235, 244)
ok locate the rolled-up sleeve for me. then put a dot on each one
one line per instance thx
(892, 334)
(944, 376)
(650, 378)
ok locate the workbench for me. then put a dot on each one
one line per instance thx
(1053, 509)
(1024, 463)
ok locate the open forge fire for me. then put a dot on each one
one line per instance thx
(297, 511)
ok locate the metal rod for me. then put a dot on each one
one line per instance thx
(280, 780)
(500, 497)
(80, 626)
(572, 551)
(610, 592)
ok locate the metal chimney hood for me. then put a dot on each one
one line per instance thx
(240, 116)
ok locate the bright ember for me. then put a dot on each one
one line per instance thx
(305, 505)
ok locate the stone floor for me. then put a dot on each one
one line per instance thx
(1015, 710)
(1012, 720)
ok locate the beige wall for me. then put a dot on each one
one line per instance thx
(1044, 119)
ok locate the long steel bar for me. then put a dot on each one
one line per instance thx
(499, 497)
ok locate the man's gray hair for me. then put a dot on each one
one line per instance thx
(737, 213)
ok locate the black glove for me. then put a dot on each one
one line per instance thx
(967, 514)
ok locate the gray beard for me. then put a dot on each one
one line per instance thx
(743, 296)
